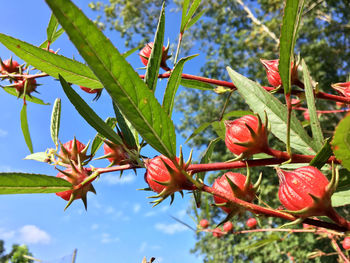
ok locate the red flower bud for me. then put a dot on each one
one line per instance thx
(306, 115)
(273, 75)
(342, 88)
(9, 66)
(217, 232)
(346, 243)
(72, 150)
(306, 189)
(92, 91)
(161, 180)
(251, 222)
(23, 83)
(242, 191)
(115, 153)
(246, 135)
(204, 223)
(228, 227)
(145, 54)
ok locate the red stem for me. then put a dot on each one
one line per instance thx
(341, 254)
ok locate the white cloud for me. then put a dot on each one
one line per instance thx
(150, 213)
(5, 234)
(145, 247)
(181, 213)
(137, 208)
(3, 133)
(170, 228)
(116, 179)
(31, 234)
(106, 238)
(95, 226)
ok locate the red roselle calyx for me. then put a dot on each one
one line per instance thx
(251, 222)
(98, 92)
(204, 223)
(145, 54)
(27, 84)
(76, 175)
(73, 150)
(9, 66)
(115, 153)
(306, 190)
(342, 88)
(217, 232)
(233, 185)
(246, 136)
(165, 178)
(273, 75)
(228, 227)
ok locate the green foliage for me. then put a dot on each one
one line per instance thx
(16, 255)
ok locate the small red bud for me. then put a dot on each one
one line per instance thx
(346, 243)
(204, 223)
(342, 88)
(116, 154)
(228, 227)
(251, 223)
(221, 185)
(73, 149)
(145, 54)
(273, 75)
(217, 232)
(21, 83)
(171, 181)
(9, 66)
(239, 139)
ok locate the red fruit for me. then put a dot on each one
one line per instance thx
(9, 66)
(168, 183)
(346, 243)
(228, 227)
(28, 84)
(221, 185)
(251, 222)
(145, 53)
(115, 153)
(296, 188)
(217, 232)
(240, 139)
(342, 88)
(204, 223)
(306, 115)
(71, 150)
(273, 75)
(76, 177)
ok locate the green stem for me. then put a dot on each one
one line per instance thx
(178, 47)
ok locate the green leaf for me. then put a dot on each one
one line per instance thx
(173, 84)
(323, 155)
(236, 113)
(342, 195)
(129, 133)
(55, 121)
(201, 128)
(25, 183)
(196, 18)
(88, 114)
(12, 91)
(155, 58)
(128, 91)
(183, 16)
(98, 140)
(51, 28)
(25, 129)
(219, 128)
(196, 84)
(189, 15)
(341, 142)
(39, 156)
(290, 24)
(261, 101)
(52, 64)
(129, 52)
(310, 99)
(57, 34)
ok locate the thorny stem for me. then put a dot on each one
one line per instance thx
(341, 221)
(323, 111)
(341, 254)
(117, 168)
(34, 76)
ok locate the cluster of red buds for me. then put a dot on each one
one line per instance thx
(146, 51)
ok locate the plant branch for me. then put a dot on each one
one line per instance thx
(341, 254)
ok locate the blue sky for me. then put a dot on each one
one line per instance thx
(120, 224)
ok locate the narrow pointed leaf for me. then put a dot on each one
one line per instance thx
(57, 34)
(128, 91)
(184, 12)
(323, 155)
(219, 128)
(25, 128)
(341, 142)
(131, 51)
(55, 120)
(195, 18)
(129, 133)
(261, 101)
(98, 140)
(173, 85)
(51, 28)
(189, 15)
(237, 113)
(289, 30)
(201, 128)
(155, 58)
(25, 183)
(39, 156)
(12, 91)
(89, 115)
(52, 64)
(195, 84)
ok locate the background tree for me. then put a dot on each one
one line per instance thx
(237, 33)
(16, 255)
